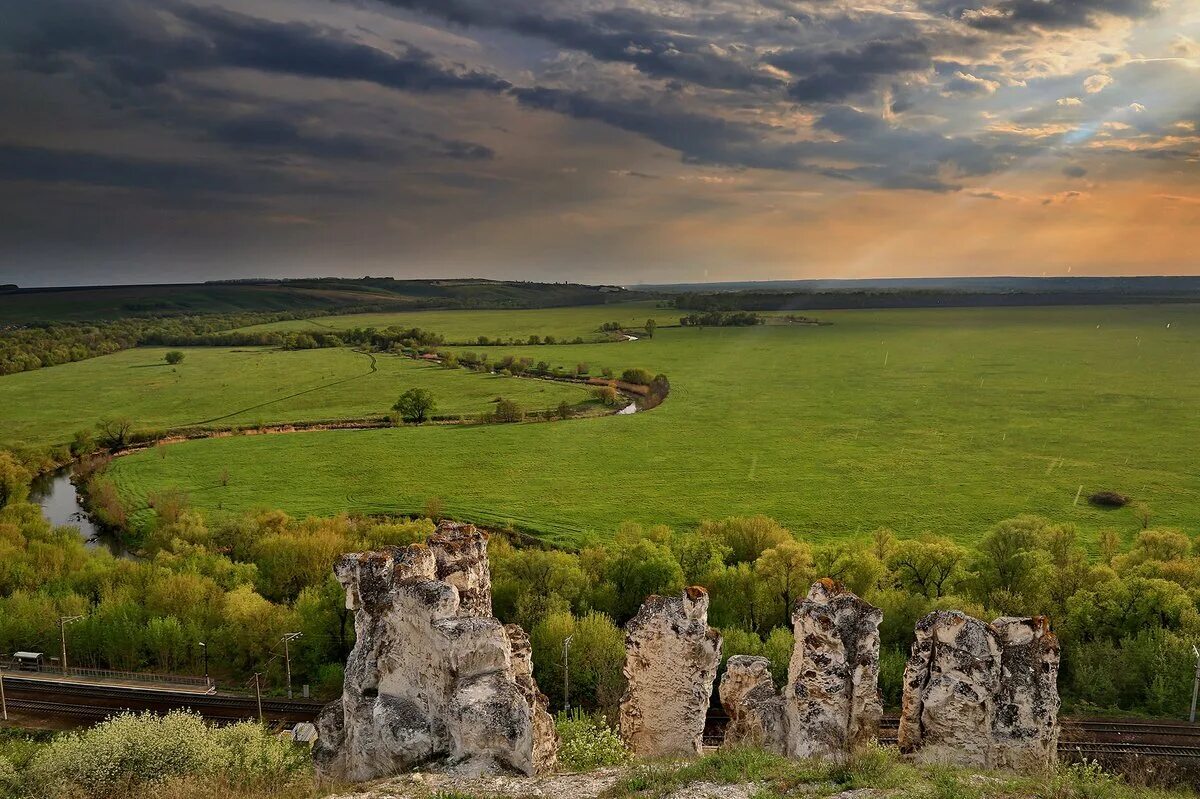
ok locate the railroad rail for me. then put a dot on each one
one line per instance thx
(90, 701)
(1082, 737)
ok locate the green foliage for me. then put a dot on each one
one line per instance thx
(507, 410)
(174, 357)
(596, 657)
(606, 395)
(9, 781)
(586, 742)
(415, 405)
(129, 754)
(639, 376)
(14, 480)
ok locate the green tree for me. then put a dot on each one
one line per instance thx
(787, 569)
(747, 537)
(415, 405)
(174, 357)
(507, 410)
(928, 566)
(14, 480)
(651, 325)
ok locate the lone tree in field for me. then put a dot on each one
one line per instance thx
(415, 405)
(650, 326)
(508, 411)
(173, 357)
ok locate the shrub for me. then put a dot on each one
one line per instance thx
(508, 411)
(135, 754)
(606, 395)
(9, 782)
(641, 377)
(587, 743)
(565, 411)
(173, 357)
(1109, 499)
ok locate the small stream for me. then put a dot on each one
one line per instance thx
(62, 507)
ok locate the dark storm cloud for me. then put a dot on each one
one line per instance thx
(1074, 171)
(1009, 16)
(139, 47)
(834, 76)
(620, 35)
(46, 165)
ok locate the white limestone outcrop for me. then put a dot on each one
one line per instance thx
(432, 678)
(671, 659)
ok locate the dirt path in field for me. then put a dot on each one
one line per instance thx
(374, 368)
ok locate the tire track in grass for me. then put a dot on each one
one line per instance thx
(374, 368)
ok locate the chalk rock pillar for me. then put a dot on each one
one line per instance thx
(1025, 730)
(756, 710)
(545, 737)
(950, 687)
(671, 659)
(431, 677)
(832, 696)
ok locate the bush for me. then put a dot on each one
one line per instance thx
(641, 377)
(9, 782)
(508, 411)
(587, 743)
(606, 395)
(1109, 499)
(173, 357)
(129, 755)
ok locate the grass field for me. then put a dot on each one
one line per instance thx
(942, 420)
(242, 386)
(568, 323)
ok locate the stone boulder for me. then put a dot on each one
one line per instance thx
(671, 659)
(1025, 730)
(756, 712)
(430, 680)
(832, 696)
(979, 694)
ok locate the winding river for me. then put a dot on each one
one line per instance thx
(62, 506)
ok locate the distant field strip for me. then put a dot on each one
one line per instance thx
(941, 420)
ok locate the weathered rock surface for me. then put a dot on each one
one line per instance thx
(832, 697)
(431, 678)
(1025, 730)
(979, 694)
(671, 659)
(545, 739)
(755, 709)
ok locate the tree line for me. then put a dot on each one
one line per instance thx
(1125, 610)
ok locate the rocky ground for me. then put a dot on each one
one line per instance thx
(591, 785)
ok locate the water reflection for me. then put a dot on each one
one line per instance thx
(61, 506)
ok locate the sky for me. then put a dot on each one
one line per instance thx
(615, 141)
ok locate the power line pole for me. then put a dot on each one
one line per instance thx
(204, 646)
(258, 697)
(566, 673)
(3, 702)
(287, 659)
(63, 621)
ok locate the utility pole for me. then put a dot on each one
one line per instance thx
(63, 621)
(204, 647)
(3, 702)
(287, 659)
(1195, 685)
(566, 673)
(258, 697)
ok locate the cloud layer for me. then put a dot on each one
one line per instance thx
(432, 135)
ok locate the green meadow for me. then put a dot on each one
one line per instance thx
(217, 386)
(466, 326)
(938, 420)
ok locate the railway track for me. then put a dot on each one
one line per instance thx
(1082, 737)
(92, 701)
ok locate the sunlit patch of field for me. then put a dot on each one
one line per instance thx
(218, 386)
(941, 420)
